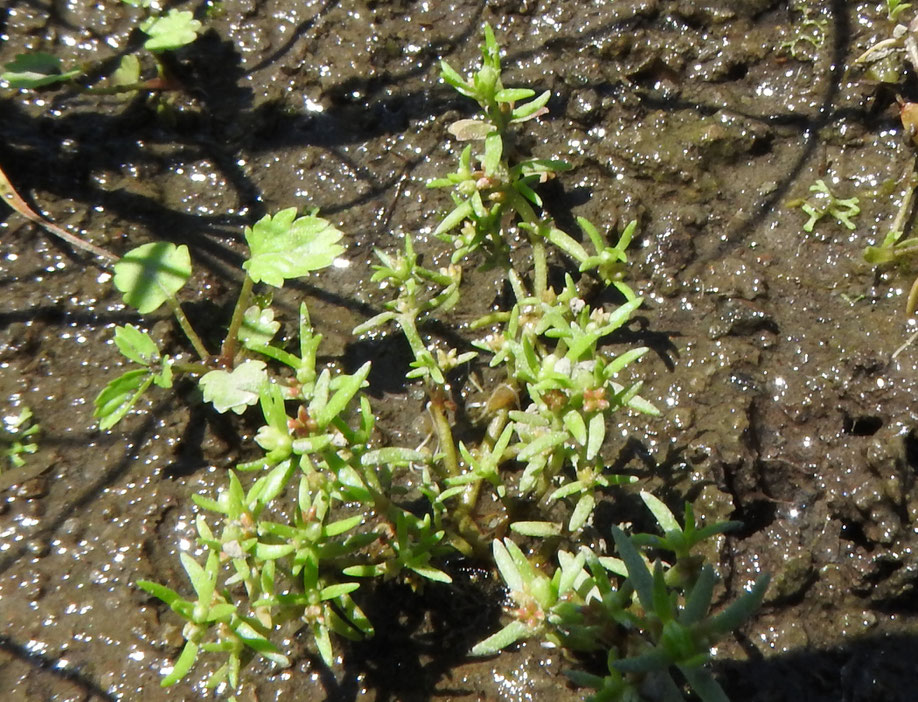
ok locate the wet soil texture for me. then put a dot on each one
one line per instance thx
(780, 357)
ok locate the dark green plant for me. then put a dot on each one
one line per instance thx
(588, 600)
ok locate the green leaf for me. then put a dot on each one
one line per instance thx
(513, 632)
(161, 592)
(128, 71)
(323, 643)
(136, 345)
(33, 70)
(564, 242)
(182, 665)
(532, 109)
(117, 398)
(376, 321)
(638, 572)
(665, 518)
(540, 529)
(236, 390)
(355, 616)
(739, 610)
(257, 642)
(286, 246)
(507, 567)
(698, 600)
(470, 130)
(151, 274)
(163, 379)
(639, 404)
(597, 435)
(364, 571)
(450, 76)
(342, 525)
(201, 578)
(461, 212)
(171, 31)
(703, 684)
(333, 591)
(347, 387)
(544, 443)
(269, 552)
(258, 326)
(582, 511)
(494, 146)
(513, 94)
(653, 660)
(431, 573)
(393, 455)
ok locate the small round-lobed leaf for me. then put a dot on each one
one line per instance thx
(171, 31)
(151, 274)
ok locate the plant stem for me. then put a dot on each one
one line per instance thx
(193, 337)
(192, 368)
(898, 224)
(444, 431)
(540, 276)
(231, 341)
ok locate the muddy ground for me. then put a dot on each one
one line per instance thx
(774, 356)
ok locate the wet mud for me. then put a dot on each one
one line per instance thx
(781, 359)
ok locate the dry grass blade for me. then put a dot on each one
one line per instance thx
(12, 198)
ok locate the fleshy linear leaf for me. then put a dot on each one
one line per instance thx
(703, 684)
(699, 598)
(665, 518)
(182, 665)
(348, 385)
(582, 511)
(286, 246)
(431, 573)
(513, 632)
(166, 594)
(740, 609)
(236, 390)
(151, 274)
(323, 643)
(171, 31)
(540, 529)
(505, 564)
(33, 70)
(638, 572)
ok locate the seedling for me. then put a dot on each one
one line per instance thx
(18, 437)
(807, 30)
(823, 203)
